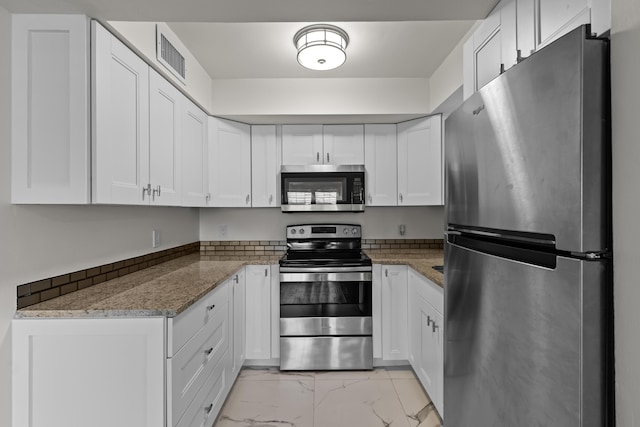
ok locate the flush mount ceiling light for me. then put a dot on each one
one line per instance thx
(321, 46)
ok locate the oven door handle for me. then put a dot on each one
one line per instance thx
(325, 277)
(325, 269)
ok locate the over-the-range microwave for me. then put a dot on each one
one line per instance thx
(322, 188)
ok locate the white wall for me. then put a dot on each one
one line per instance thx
(625, 67)
(142, 37)
(270, 223)
(41, 241)
(330, 96)
(448, 76)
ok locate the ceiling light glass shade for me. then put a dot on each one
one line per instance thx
(321, 46)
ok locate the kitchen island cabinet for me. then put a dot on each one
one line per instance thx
(159, 347)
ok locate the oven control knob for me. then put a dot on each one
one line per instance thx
(354, 231)
(345, 231)
(302, 231)
(293, 231)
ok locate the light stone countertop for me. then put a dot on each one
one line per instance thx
(422, 262)
(170, 288)
(166, 289)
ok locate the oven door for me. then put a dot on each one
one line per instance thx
(325, 294)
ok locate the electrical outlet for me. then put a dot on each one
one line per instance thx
(403, 229)
(155, 238)
(223, 231)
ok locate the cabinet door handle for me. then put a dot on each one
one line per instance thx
(155, 191)
(208, 409)
(211, 307)
(207, 198)
(370, 198)
(429, 320)
(270, 198)
(318, 157)
(248, 198)
(208, 351)
(328, 160)
(266, 273)
(147, 190)
(386, 273)
(401, 198)
(434, 327)
(236, 279)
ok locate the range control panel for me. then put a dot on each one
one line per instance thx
(315, 231)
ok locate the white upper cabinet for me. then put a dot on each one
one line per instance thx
(542, 21)
(380, 161)
(491, 49)
(194, 155)
(524, 26)
(302, 145)
(120, 122)
(318, 144)
(420, 162)
(265, 166)
(50, 109)
(165, 136)
(343, 144)
(229, 163)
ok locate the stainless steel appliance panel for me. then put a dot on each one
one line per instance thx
(313, 277)
(528, 152)
(310, 326)
(524, 344)
(320, 353)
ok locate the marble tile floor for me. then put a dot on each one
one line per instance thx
(380, 398)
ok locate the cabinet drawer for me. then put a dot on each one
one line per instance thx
(188, 369)
(208, 402)
(185, 326)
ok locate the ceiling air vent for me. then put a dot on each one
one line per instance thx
(168, 52)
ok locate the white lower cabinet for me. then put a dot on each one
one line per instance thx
(426, 349)
(89, 372)
(258, 312)
(133, 372)
(238, 323)
(394, 312)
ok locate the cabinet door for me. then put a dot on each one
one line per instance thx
(89, 372)
(194, 155)
(275, 311)
(50, 109)
(557, 17)
(343, 144)
(420, 162)
(394, 312)
(381, 164)
(229, 163)
(302, 145)
(239, 324)
(165, 135)
(258, 309)
(265, 166)
(120, 121)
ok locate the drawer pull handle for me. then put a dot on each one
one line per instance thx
(208, 409)
(211, 307)
(208, 351)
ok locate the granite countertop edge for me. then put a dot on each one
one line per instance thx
(168, 289)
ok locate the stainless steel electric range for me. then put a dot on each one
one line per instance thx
(325, 299)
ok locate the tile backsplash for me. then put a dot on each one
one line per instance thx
(219, 250)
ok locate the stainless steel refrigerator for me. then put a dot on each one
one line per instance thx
(528, 329)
